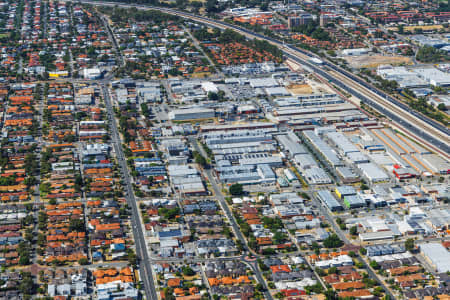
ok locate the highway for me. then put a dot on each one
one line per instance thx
(436, 136)
(424, 129)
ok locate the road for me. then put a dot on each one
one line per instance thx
(229, 214)
(324, 212)
(141, 248)
(435, 137)
(411, 121)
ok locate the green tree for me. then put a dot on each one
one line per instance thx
(442, 106)
(26, 285)
(236, 189)
(374, 264)
(76, 225)
(199, 159)
(409, 244)
(333, 241)
(187, 271)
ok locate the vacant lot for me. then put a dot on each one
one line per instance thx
(300, 89)
(373, 61)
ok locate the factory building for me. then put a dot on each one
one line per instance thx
(191, 114)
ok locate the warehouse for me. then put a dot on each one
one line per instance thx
(347, 175)
(225, 150)
(354, 201)
(433, 76)
(290, 176)
(327, 198)
(341, 142)
(374, 236)
(436, 163)
(305, 161)
(209, 87)
(344, 191)
(191, 114)
(277, 91)
(317, 176)
(290, 143)
(326, 151)
(267, 126)
(149, 91)
(242, 136)
(374, 199)
(249, 174)
(357, 158)
(263, 82)
(437, 256)
(355, 52)
(261, 159)
(309, 100)
(373, 173)
(342, 108)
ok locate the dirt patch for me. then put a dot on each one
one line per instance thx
(300, 89)
(423, 27)
(201, 75)
(373, 61)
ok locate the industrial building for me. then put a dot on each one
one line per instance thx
(328, 199)
(326, 151)
(373, 173)
(191, 114)
(290, 143)
(437, 256)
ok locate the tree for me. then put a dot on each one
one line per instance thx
(83, 261)
(24, 259)
(409, 244)
(330, 294)
(132, 257)
(333, 241)
(213, 96)
(30, 181)
(259, 287)
(354, 230)
(201, 160)
(26, 285)
(374, 264)
(76, 225)
(430, 54)
(187, 271)
(333, 270)
(278, 237)
(442, 106)
(236, 189)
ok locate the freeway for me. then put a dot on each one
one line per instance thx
(436, 135)
(141, 248)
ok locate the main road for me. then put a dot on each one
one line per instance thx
(141, 248)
